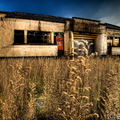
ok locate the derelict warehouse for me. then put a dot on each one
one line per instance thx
(24, 35)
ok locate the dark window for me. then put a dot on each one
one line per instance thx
(18, 36)
(38, 37)
(109, 44)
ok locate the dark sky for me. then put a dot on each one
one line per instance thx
(104, 10)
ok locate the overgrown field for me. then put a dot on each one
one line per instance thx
(86, 88)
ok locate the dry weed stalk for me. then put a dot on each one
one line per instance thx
(104, 84)
(71, 93)
(75, 95)
(17, 97)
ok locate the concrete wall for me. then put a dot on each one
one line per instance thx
(101, 41)
(101, 44)
(67, 38)
(86, 21)
(7, 27)
(21, 24)
(86, 25)
(29, 50)
(113, 32)
(105, 45)
(115, 50)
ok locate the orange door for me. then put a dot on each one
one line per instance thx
(59, 41)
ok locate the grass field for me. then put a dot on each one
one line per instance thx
(81, 89)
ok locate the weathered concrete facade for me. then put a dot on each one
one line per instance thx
(72, 29)
(85, 29)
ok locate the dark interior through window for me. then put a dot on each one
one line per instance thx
(38, 37)
(18, 36)
(109, 44)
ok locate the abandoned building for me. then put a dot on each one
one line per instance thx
(24, 34)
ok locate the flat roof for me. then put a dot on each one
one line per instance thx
(111, 26)
(4, 12)
(85, 19)
(36, 17)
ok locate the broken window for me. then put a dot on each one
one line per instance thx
(18, 36)
(38, 37)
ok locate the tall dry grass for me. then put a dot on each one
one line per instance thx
(73, 91)
(89, 88)
(17, 91)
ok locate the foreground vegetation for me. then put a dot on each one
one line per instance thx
(84, 88)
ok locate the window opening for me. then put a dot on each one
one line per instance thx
(18, 36)
(109, 44)
(59, 40)
(38, 37)
(116, 41)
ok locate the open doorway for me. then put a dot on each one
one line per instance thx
(59, 40)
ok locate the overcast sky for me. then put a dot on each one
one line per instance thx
(107, 11)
